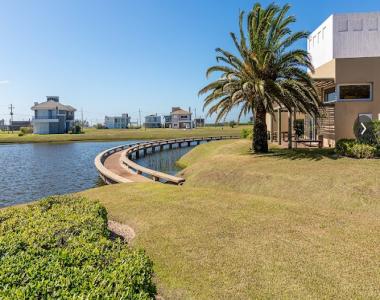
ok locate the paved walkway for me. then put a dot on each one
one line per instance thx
(113, 164)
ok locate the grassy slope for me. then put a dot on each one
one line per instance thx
(120, 134)
(302, 225)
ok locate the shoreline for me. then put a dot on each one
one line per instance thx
(105, 135)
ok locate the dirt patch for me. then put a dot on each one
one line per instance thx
(123, 231)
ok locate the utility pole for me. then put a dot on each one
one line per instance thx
(195, 117)
(11, 107)
(81, 111)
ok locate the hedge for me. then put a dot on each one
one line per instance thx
(352, 148)
(60, 247)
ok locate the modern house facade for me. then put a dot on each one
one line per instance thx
(52, 117)
(118, 122)
(345, 52)
(199, 122)
(178, 118)
(153, 121)
(2, 124)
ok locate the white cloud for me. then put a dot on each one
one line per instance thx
(4, 81)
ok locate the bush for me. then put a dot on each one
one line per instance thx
(363, 151)
(376, 130)
(26, 130)
(60, 248)
(352, 148)
(76, 129)
(100, 126)
(246, 133)
(344, 146)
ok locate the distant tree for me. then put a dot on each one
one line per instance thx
(232, 124)
(267, 71)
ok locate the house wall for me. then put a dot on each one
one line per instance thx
(356, 70)
(320, 43)
(117, 122)
(345, 36)
(356, 35)
(326, 70)
(41, 128)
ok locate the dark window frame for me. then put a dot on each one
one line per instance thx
(339, 92)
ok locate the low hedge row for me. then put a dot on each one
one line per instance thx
(60, 247)
(352, 148)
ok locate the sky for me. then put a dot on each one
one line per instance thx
(111, 57)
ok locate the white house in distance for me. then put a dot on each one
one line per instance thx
(52, 117)
(118, 122)
(178, 118)
(153, 121)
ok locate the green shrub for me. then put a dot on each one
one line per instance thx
(352, 148)
(77, 129)
(246, 133)
(26, 130)
(344, 146)
(363, 151)
(60, 248)
(376, 130)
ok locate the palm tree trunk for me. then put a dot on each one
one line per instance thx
(260, 134)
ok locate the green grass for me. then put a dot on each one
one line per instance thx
(298, 224)
(92, 134)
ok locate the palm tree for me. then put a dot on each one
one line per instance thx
(266, 72)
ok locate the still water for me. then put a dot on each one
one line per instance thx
(32, 171)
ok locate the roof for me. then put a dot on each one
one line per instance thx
(52, 105)
(180, 112)
(324, 83)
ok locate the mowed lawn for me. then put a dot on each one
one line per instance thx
(92, 134)
(299, 224)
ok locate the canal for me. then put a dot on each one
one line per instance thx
(33, 171)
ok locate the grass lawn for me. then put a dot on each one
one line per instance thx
(92, 134)
(299, 224)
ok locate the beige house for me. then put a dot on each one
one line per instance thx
(345, 51)
(179, 119)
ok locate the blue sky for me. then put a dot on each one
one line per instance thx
(110, 57)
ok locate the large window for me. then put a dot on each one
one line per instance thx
(355, 91)
(330, 95)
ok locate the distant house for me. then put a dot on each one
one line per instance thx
(178, 118)
(118, 122)
(153, 121)
(16, 125)
(199, 122)
(2, 125)
(52, 117)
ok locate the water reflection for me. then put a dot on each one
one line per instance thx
(32, 171)
(164, 161)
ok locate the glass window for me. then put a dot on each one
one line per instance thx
(330, 95)
(355, 92)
